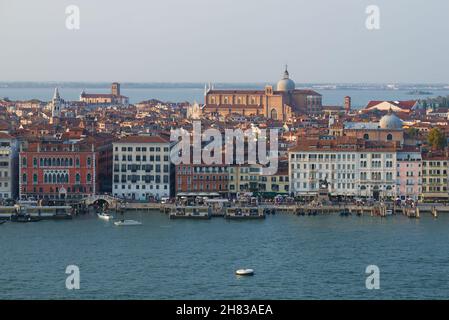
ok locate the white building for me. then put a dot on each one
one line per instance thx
(9, 166)
(351, 167)
(141, 168)
(56, 105)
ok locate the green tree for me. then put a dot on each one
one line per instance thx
(436, 139)
(412, 132)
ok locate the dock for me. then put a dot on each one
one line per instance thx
(42, 212)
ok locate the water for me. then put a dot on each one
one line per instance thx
(322, 257)
(330, 97)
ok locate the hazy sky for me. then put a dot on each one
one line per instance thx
(224, 41)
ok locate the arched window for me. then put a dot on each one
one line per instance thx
(366, 136)
(67, 178)
(70, 162)
(89, 161)
(78, 178)
(66, 162)
(45, 178)
(53, 162)
(274, 114)
(58, 178)
(24, 178)
(54, 177)
(89, 177)
(58, 162)
(34, 178)
(389, 137)
(24, 161)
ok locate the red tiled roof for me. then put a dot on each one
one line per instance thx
(100, 95)
(4, 135)
(143, 139)
(406, 104)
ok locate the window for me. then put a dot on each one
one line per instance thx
(78, 178)
(24, 178)
(89, 178)
(389, 137)
(24, 161)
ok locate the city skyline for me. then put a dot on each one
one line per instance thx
(223, 42)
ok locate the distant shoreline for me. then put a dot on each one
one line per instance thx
(198, 85)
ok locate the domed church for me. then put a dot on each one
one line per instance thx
(279, 104)
(389, 128)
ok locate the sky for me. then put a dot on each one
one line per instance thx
(322, 41)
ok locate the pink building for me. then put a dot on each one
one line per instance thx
(409, 173)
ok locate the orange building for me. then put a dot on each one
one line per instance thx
(105, 98)
(279, 104)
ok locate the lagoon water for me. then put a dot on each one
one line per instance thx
(320, 257)
(330, 96)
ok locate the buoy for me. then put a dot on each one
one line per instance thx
(245, 272)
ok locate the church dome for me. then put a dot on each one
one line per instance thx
(286, 84)
(390, 121)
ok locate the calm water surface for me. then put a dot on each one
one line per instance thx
(322, 257)
(360, 98)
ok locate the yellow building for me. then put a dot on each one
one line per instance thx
(277, 104)
(248, 178)
(435, 177)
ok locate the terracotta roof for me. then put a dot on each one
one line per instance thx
(344, 144)
(100, 95)
(4, 135)
(406, 104)
(143, 139)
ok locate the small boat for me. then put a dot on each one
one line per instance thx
(2, 221)
(128, 223)
(105, 216)
(245, 272)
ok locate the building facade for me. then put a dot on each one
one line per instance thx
(250, 179)
(105, 98)
(435, 177)
(409, 174)
(350, 167)
(8, 166)
(277, 104)
(57, 170)
(202, 178)
(142, 168)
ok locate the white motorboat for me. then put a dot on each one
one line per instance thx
(105, 216)
(245, 272)
(128, 223)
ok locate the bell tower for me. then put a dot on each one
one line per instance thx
(115, 89)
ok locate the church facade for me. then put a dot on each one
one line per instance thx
(279, 104)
